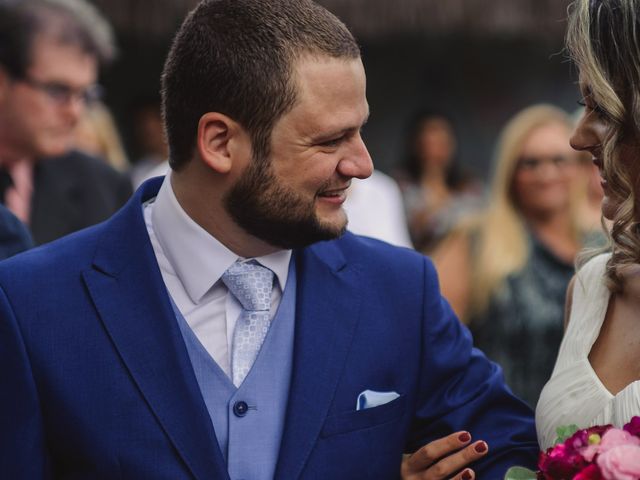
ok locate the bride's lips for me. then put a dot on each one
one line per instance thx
(597, 161)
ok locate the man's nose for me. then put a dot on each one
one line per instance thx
(358, 163)
(75, 108)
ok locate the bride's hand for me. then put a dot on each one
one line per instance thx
(444, 457)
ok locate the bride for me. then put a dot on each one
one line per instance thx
(596, 377)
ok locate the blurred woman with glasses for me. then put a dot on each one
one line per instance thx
(505, 272)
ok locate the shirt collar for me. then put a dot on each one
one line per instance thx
(197, 257)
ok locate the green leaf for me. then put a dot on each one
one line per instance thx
(520, 473)
(565, 432)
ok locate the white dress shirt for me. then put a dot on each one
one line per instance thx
(192, 263)
(375, 209)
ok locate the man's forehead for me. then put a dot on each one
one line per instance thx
(331, 96)
(317, 59)
(52, 40)
(50, 56)
(316, 75)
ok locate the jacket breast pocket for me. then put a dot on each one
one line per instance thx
(367, 418)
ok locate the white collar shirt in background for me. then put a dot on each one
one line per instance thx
(192, 263)
(375, 209)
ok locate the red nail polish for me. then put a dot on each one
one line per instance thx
(464, 437)
(466, 475)
(481, 447)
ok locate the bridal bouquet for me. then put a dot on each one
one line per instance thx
(595, 453)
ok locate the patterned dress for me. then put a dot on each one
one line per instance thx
(522, 328)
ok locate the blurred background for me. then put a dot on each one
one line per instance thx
(478, 61)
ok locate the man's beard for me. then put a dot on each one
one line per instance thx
(270, 211)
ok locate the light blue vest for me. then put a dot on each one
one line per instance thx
(249, 420)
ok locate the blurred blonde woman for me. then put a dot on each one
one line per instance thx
(97, 135)
(597, 376)
(505, 272)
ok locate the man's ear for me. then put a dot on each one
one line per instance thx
(215, 134)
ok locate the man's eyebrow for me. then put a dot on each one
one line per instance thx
(323, 137)
(320, 137)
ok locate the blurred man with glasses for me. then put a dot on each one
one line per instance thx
(50, 53)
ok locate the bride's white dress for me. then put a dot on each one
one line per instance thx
(575, 394)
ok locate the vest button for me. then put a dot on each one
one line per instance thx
(240, 409)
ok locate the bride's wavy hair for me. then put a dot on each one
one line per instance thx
(603, 39)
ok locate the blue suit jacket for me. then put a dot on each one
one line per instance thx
(96, 381)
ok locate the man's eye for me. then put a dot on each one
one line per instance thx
(58, 91)
(332, 143)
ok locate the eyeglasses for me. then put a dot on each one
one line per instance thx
(532, 164)
(62, 94)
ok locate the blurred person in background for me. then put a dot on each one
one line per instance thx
(150, 140)
(14, 236)
(50, 51)
(436, 192)
(506, 272)
(97, 134)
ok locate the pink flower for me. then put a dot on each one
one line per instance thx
(621, 462)
(595, 453)
(592, 472)
(614, 438)
(633, 427)
(561, 462)
(590, 452)
(566, 459)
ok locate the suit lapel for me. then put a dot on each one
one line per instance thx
(127, 289)
(327, 311)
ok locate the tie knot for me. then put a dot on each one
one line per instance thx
(251, 284)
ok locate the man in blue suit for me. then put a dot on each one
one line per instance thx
(223, 324)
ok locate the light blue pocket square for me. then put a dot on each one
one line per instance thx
(371, 398)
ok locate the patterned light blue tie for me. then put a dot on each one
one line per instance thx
(251, 284)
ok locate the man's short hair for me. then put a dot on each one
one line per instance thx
(237, 57)
(67, 22)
